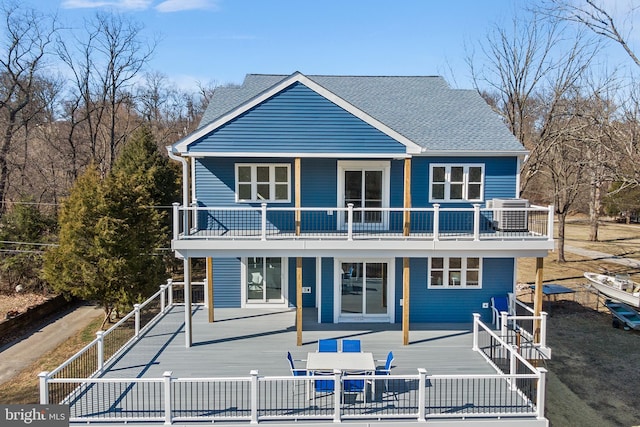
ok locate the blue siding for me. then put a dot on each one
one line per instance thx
(319, 182)
(226, 282)
(456, 305)
(297, 120)
(308, 279)
(327, 290)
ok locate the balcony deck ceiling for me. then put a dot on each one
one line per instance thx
(328, 247)
(241, 340)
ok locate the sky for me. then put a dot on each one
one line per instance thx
(220, 41)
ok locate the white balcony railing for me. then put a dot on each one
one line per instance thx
(351, 223)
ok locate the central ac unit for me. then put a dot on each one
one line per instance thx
(510, 214)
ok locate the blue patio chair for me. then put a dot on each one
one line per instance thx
(296, 372)
(328, 346)
(354, 386)
(498, 305)
(351, 346)
(323, 386)
(386, 370)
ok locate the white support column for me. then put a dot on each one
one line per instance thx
(542, 385)
(136, 310)
(337, 392)
(350, 221)
(263, 226)
(422, 391)
(254, 396)
(187, 303)
(503, 324)
(550, 222)
(436, 222)
(513, 366)
(543, 329)
(100, 349)
(476, 222)
(319, 288)
(44, 387)
(167, 397)
(476, 319)
(176, 221)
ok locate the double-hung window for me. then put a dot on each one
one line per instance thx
(451, 182)
(263, 182)
(454, 273)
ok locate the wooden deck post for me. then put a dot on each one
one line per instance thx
(537, 303)
(406, 230)
(209, 286)
(187, 303)
(297, 194)
(298, 259)
(406, 216)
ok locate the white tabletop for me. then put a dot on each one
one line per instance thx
(328, 361)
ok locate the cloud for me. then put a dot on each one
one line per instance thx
(119, 4)
(180, 5)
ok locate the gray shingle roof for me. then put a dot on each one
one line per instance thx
(422, 108)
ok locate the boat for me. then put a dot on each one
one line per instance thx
(623, 315)
(620, 288)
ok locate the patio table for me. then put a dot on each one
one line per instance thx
(317, 361)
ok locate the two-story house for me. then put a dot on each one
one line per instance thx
(370, 199)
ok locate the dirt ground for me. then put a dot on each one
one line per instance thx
(19, 302)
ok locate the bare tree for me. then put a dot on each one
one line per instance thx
(26, 35)
(105, 63)
(169, 112)
(533, 72)
(518, 65)
(595, 16)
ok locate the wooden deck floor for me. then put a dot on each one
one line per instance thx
(241, 340)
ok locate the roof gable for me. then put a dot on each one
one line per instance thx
(421, 112)
(296, 121)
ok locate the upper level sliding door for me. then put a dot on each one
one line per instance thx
(364, 185)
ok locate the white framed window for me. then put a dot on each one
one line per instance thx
(452, 182)
(263, 182)
(455, 273)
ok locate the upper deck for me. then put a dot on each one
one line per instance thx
(320, 231)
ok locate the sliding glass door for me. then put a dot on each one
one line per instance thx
(364, 289)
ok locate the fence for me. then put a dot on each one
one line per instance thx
(269, 222)
(506, 358)
(286, 398)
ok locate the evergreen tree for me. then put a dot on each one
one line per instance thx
(111, 231)
(140, 183)
(76, 266)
